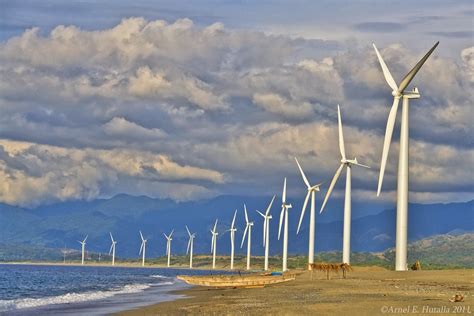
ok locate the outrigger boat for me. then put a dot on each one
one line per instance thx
(234, 281)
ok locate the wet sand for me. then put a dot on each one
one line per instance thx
(365, 291)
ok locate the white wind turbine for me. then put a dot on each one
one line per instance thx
(232, 231)
(402, 179)
(190, 247)
(266, 231)
(284, 216)
(312, 220)
(83, 248)
(112, 249)
(348, 163)
(248, 228)
(168, 246)
(143, 248)
(214, 244)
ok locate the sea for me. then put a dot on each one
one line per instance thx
(85, 290)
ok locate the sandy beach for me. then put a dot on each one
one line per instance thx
(365, 291)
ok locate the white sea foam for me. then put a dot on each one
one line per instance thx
(6, 305)
(159, 276)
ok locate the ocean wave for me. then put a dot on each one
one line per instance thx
(160, 276)
(7, 305)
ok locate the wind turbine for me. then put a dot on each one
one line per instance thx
(143, 248)
(168, 246)
(83, 248)
(248, 228)
(266, 230)
(402, 179)
(232, 231)
(311, 192)
(190, 247)
(348, 163)
(284, 216)
(214, 244)
(112, 249)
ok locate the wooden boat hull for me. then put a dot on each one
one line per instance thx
(233, 281)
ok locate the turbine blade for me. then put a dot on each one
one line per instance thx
(172, 231)
(141, 248)
(215, 226)
(281, 221)
(303, 210)
(269, 206)
(263, 215)
(233, 220)
(302, 174)
(189, 233)
(245, 234)
(283, 197)
(246, 216)
(386, 72)
(341, 135)
(333, 183)
(141, 235)
(85, 239)
(361, 165)
(165, 236)
(409, 77)
(386, 143)
(111, 246)
(112, 238)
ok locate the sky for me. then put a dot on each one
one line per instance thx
(190, 100)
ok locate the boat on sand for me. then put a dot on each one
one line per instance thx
(234, 281)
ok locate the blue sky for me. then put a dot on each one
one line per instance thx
(192, 100)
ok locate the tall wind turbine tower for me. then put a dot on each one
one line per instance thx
(402, 179)
(214, 244)
(168, 246)
(112, 249)
(284, 218)
(143, 248)
(83, 248)
(190, 247)
(348, 163)
(266, 231)
(248, 229)
(232, 231)
(312, 218)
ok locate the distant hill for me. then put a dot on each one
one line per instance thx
(436, 252)
(63, 224)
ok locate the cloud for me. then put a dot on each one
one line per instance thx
(275, 103)
(32, 174)
(119, 126)
(166, 107)
(379, 27)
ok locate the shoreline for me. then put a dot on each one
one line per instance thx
(365, 291)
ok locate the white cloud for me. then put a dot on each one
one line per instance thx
(119, 126)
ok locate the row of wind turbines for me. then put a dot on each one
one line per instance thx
(398, 91)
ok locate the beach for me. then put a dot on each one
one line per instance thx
(365, 291)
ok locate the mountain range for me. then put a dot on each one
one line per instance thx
(62, 224)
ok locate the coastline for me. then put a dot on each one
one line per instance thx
(366, 291)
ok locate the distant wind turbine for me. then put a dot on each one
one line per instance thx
(346, 245)
(83, 248)
(248, 228)
(266, 231)
(143, 248)
(112, 249)
(312, 220)
(214, 244)
(168, 246)
(232, 231)
(284, 217)
(190, 247)
(402, 179)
